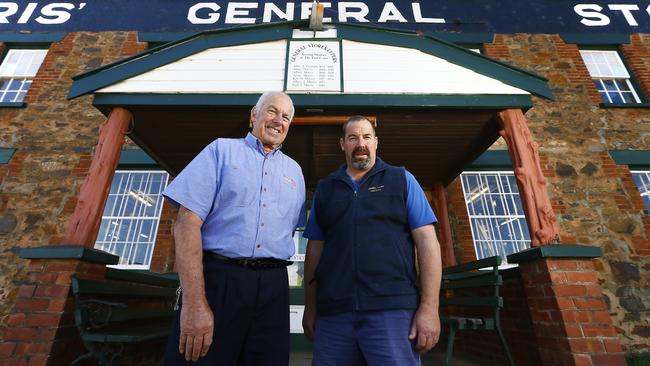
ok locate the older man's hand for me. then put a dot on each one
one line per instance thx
(425, 329)
(197, 324)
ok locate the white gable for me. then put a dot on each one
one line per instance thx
(367, 69)
(238, 69)
(373, 68)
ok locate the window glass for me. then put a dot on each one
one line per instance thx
(495, 212)
(642, 181)
(131, 215)
(17, 70)
(610, 76)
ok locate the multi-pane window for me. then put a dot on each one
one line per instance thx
(610, 76)
(130, 221)
(17, 71)
(642, 180)
(495, 213)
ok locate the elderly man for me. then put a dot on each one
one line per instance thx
(362, 305)
(240, 202)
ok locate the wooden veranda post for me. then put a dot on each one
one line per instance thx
(523, 151)
(84, 225)
(444, 229)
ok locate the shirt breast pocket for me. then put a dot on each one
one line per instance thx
(238, 187)
(287, 195)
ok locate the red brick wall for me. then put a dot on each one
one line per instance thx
(459, 221)
(637, 58)
(164, 255)
(629, 199)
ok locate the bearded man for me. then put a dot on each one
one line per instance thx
(362, 306)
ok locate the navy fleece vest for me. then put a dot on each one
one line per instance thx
(368, 259)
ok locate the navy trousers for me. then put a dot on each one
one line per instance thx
(251, 317)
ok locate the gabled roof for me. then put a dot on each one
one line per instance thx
(153, 59)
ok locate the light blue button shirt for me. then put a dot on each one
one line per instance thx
(250, 202)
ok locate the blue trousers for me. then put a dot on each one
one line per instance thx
(251, 317)
(374, 338)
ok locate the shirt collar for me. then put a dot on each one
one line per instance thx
(256, 144)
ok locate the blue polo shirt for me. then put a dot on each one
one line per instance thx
(250, 202)
(418, 209)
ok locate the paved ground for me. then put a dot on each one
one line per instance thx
(434, 358)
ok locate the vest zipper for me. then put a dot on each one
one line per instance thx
(354, 251)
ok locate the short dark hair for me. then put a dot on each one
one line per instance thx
(354, 119)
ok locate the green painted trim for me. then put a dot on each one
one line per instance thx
(492, 160)
(37, 37)
(628, 105)
(596, 39)
(163, 37)
(321, 100)
(510, 273)
(13, 105)
(136, 158)
(639, 159)
(464, 38)
(556, 251)
(458, 55)
(146, 277)
(6, 154)
(69, 252)
(113, 73)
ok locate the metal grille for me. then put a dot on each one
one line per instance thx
(642, 180)
(16, 73)
(495, 213)
(130, 221)
(610, 76)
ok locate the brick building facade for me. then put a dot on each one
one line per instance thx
(596, 201)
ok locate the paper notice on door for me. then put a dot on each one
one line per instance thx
(295, 318)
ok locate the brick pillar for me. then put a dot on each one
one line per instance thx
(40, 329)
(570, 319)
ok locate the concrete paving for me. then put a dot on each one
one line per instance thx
(433, 358)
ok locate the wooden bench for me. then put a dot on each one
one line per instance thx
(473, 290)
(125, 307)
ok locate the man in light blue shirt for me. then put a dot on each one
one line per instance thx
(240, 201)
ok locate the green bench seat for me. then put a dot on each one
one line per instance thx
(473, 290)
(124, 307)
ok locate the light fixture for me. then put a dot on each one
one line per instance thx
(478, 194)
(316, 17)
(142, 197)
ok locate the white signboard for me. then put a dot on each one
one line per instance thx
(314, 66)
(295, 318)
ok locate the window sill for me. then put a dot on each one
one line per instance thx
(629, 105)
(13, 104)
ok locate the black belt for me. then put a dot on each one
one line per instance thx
(252, 263)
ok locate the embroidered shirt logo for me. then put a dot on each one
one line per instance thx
(374, 189)
(290, 181)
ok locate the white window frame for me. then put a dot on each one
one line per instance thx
(644, 190)
(469, 197)
(113, 217)
(610, 69)
(9, 74)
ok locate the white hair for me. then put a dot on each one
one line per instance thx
(264, 97)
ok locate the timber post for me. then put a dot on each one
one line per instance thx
(523, 151)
